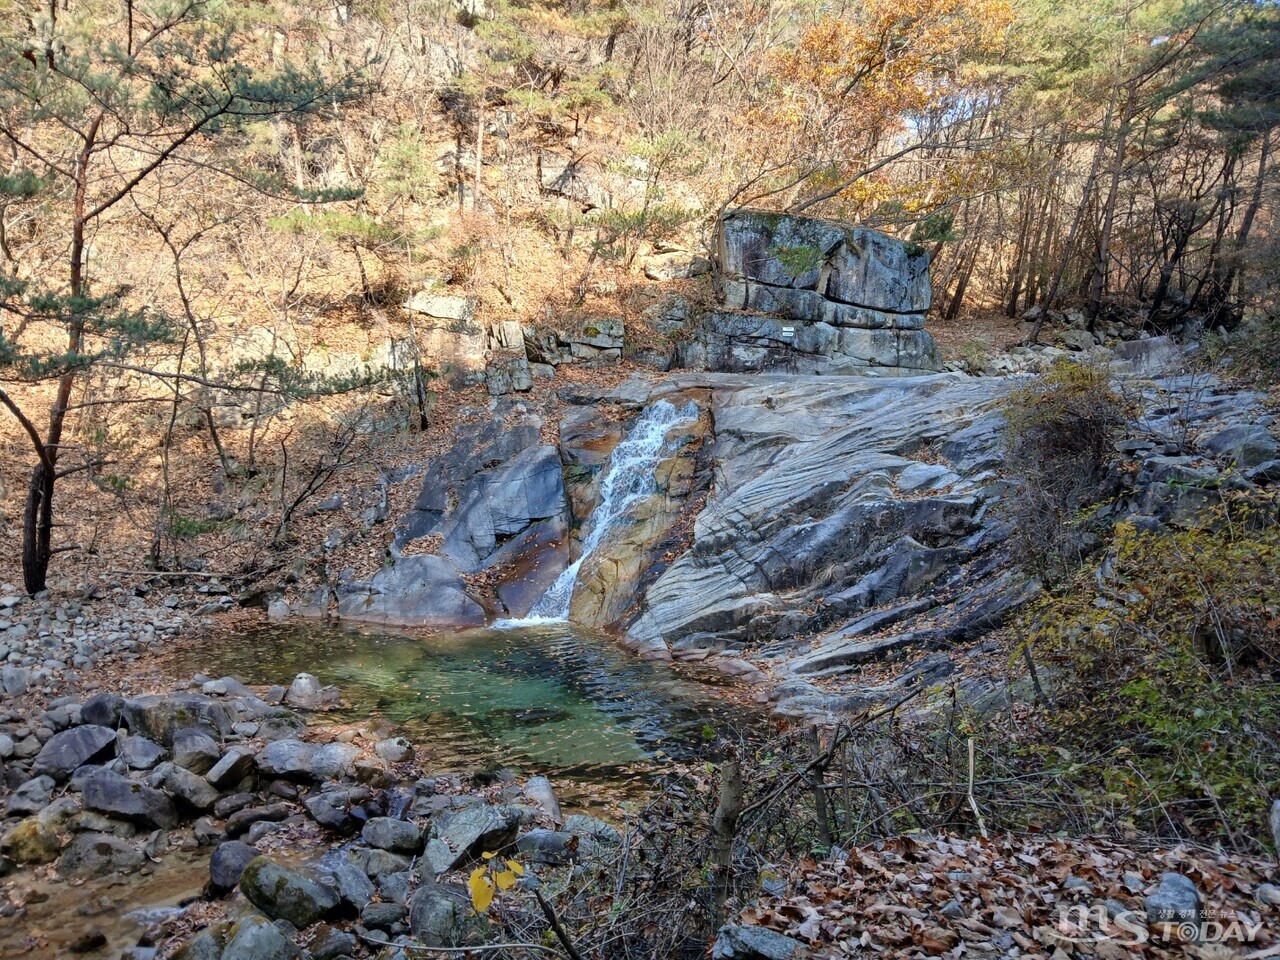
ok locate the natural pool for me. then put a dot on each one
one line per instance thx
(540, 699)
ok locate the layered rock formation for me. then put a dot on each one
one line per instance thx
(814, 296)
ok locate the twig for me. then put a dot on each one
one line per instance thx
(973, 804)
(556, 927)
(456, 950)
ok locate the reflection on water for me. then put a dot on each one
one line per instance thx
(540, 698)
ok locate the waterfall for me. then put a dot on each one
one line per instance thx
(630, 478)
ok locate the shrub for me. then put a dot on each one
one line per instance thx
(1060, 431)
(1167, 656)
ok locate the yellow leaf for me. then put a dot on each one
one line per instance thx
(515, 868)
(481, 890)
(506, 880)
(488, 856)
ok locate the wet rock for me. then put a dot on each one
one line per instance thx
(108, 792)
(228, 863)
(257, 938)
(139, 753)
(285, 894)
(240, 821)
(395, 750)
(91, 940)
(438, 914)
(98, 854)
(753, 943)
(231, 768)
(224, 687)
(73, 748)
(307, 693)
(31, 841)
(195, 750)
(330, 810)
(398, 836)
(32, 797)
(190, 789)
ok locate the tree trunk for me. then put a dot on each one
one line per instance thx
(1099, 284)
(724, 827)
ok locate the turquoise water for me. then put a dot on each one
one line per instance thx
(539, 699)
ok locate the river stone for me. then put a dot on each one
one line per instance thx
(227, 863)
(331, 812)
(233, 766)
(347, 880)
(383, 916)
(286, 758)
(540, 791)
(98, 854)
(240, 821)
(195, 750)
(30, 842)
(32, 797)
(193, 790)
(460, 834)
(257, 938)
(102, 709)
(735, 942)
(395, 750)
(73, 748)
(159, 717)
(1174, 902)
(438, 913)
(555, 848)
(285, 894)
(139, 753)
(205, 945)
(387, 833)
(333, 761)
(331, 944)
(108, 792)
(597, 830)
(307, 693)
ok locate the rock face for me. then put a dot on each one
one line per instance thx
(496, 499)
(806, 504)
(814, 296)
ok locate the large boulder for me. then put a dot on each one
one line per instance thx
(195, 750)
(98, 854)
(438, 914)
(65, 751)
(228, 863)
(461, 834)
(285, 894)
(108, 792)
(31, 841)
(160, 716)
(423, 590)
(256, 938)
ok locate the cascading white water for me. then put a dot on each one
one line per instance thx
(630, 477)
